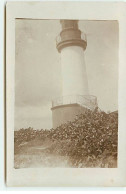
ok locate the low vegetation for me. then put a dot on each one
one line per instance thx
(89, 141)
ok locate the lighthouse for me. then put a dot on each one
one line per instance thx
(71, 44)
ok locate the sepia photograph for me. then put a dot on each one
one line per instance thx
(66, 93)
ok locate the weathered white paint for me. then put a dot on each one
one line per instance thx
(74, 77)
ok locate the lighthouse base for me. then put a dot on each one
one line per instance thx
(64, 113)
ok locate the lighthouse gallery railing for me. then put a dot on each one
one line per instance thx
(83, 37)
(87, 101)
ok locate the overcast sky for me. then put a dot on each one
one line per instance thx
(38, 70)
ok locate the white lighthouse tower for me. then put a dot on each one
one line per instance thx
(71, 44)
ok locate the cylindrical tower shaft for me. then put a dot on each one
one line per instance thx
(74, 77)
